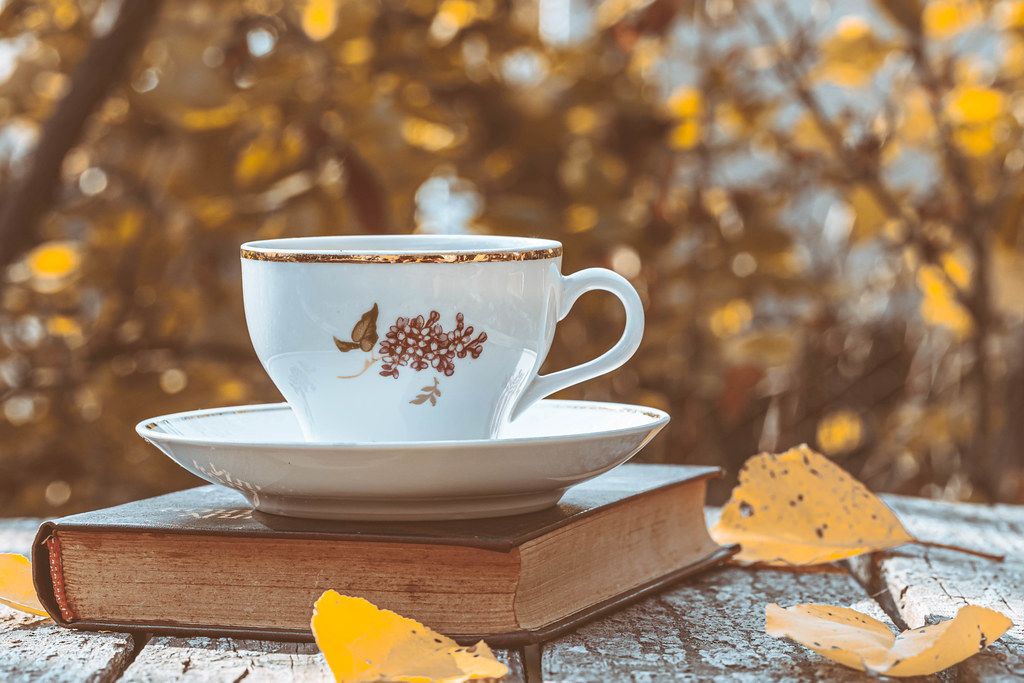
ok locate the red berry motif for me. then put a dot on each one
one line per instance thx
(420, 343)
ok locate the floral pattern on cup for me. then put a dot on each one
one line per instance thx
(416, 343)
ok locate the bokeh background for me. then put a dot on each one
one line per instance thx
(821, 204)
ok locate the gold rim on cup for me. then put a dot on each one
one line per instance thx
(456, 257)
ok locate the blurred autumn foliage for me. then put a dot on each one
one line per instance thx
(822, 205)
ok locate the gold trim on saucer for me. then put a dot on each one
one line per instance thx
(457, 257)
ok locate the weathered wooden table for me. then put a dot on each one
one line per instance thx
(708, 629)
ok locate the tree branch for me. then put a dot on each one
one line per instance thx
(102, 66)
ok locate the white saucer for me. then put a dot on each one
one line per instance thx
(259, 451)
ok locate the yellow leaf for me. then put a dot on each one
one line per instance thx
(917, 125)
(16, 589)
(364, 643)
(1011, 14)
(731, 318)
(939, 305)
(54, 259)
(211, 118)
(866, 644)
(852, 54)
(356, 51)
(869, 216)
(957, 269)
(799, 508)
(974, 104)
(945, 18)
(320, 18)
(685, 103)
(840, 431)
(580, 218)
(977, 141)
(808, 135)
(685, 134)
(63, 326)
(427, 135)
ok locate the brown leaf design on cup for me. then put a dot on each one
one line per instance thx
(364, 334)
(430, 393)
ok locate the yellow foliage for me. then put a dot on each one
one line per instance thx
(212, 212)
(53, 260)
(458, 13)
(800, 508)
(580, 218)
(861, 642)
(212, 118)
(917, 125)
(1011, 14)
(957, 269)
(939, 305)
(840, 431)
(807, 134)
(976, 111)
(63, 326)
(869, 216)
(16, 589)
(64, 14)
(232, 390)
(852, 54)
(685, 134)
(356, 51)
(731, 318)
(685, 105)
(364, 643)
(945, 18)
(581, 120)
(320, 18)
(767, 348)
(427, 135)
(975, 104)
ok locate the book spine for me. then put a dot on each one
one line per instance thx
(48, 574)
(57, 578)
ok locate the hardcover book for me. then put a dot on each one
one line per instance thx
(203, 562)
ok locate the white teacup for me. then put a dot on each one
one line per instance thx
(417, 337)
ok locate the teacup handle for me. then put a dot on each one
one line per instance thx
(573, 287)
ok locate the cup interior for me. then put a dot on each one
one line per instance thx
(401, 244)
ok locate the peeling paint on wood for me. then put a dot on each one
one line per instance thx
(200, 660)
(929, 585)
(709, 629)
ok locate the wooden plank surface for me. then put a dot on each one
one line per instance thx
(928, 585)
(709, 629)
(197, 660)
(35, 649)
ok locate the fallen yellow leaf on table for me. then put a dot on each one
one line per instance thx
(798, 508)
(364, 643)
(860, 642)
(16, 589)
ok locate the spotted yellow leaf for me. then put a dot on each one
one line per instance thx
(364, 643)
(800, 508)
(16, 588)
(866, 644)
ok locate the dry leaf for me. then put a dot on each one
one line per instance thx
(363, 643)
(800, 508)
(860, 642)
(16, 589)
